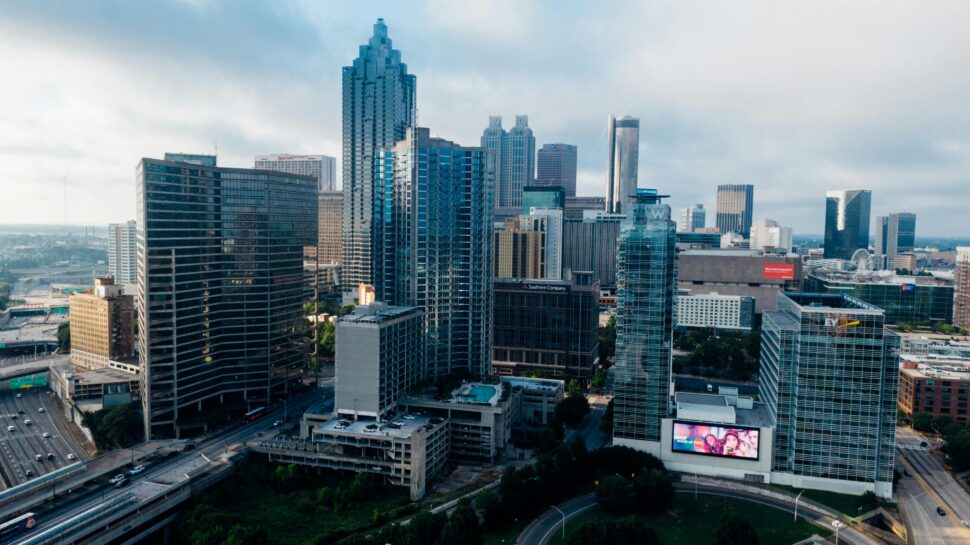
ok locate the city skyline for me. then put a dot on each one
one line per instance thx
(701, 125)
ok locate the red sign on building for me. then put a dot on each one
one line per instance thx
(779, 271)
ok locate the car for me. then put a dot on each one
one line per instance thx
(20, 411)
(409, 417)
(924, 444)
(121, 483)
(38, 457)
(940, 511)
(50, 455)
(11, 428)
(20, 396)
(965, 523)
(29, 473)
(47, 435)
(117, 478)
(28, 422)
(277, 423)
(188, 446)
(42, 410)
(136, 470)
(14, 417)
(71, 456)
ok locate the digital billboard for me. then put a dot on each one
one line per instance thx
(715, 440)
(779, 271)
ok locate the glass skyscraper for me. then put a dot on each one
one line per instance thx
(895, 234)
(515, 152)
(846, 222)
(829, 375)
(735, 204)
(646, 277)
(220, 289)
(624, 155)
(435, 214)
(378, 107)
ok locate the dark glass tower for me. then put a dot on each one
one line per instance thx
(846, 222)
(895, 234)
(556, 167)
(646, 277)
(378, 107)
(220, 288)
(735, 205)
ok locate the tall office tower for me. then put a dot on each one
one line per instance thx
(624, 156)
(437, 217)
(378, 107)
(377, 359)
(220, 289)
(895, 234)
(515, 152)
(192, 158)
(576, 207)
(122, 256)
(694, 217)
(766, 234)
(556, 166)
(961, 299)
(589, 244)
(846, 222)
(543, 197)
(646, 277)
(102, 325)
(330, 212)
(830, 373)
(530, 246)
(321, 167)
(735, 203)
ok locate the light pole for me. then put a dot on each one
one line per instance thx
(838, 525)
(796, 504)
(564, 522)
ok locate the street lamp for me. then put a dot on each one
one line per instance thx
(838, 525)
(564, 522)
(796, 504)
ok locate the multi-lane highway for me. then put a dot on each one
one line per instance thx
(19, 448)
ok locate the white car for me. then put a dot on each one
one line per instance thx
(38, 457)
(27, 422)
(42, 410)
(11, 428)
(47, 435)
(71, 456)
(20, 396)
(136, 470)
(117, 478)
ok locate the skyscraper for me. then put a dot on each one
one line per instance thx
(122, 255)
(515, 152)
(220, 289)
(530, 246)
(589, 244)
(557, 167)
(624, 154)
(767, 234)
(378, 107)
(646, 277)
(330, 212)
(436, 213)
(895, 234)
(846, 222)
(694, 217)
(829, 375)
(735, 204)
(102, 325)
(961, 299)
(543, 197)
(321, 167)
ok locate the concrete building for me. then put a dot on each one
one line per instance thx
(95, 389)
(732, 312)
(646, 286)
(767, 235)
(321, 167)
(546, 327)
(557, 167)
(122, 254)
(539, 398)
(623, 158)
(520, 249)
(330, 211)
(515, 152)
(102, 325)
(829, 375)
(220, 297)
(691, 218)
(576, 207)
(739, 272)
(735, 206)
(590, 244)
(846, 222)
(934, 385)
(379, 105)
(895, 234)
(905, 299)
(961, 299)
(934, 344)
(379, 351)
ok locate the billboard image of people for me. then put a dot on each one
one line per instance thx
(715, 440)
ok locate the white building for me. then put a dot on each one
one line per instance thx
(711, 310)
(767, 234)
(321, 167)
(122, 263)
(692, 218)
(551, 224)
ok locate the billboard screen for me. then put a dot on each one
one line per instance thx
(716, 440)
(779, 271)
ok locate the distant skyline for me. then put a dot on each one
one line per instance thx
(795, 99)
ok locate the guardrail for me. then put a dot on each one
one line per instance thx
(79, 521)
(20, 490)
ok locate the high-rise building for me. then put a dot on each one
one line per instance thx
(557, 167)
(895, 234)
(576, 207)
(102, 325)
(624, 155)
(961, 299)
(530, 246)
(543, 197)
(330, 211)
(735, 204)
(199, 159)
(846, 222)
(694, 217)
(436, 213)
(829, 376)
(220, 288)
(122, 255)
(766, 234)
(903, 299)
(321, 167)
(379, 104)
(589, 244)
(515, 152)
(646, 277)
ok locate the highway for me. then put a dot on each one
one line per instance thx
(926, 486)
(210, 447)
(18, 448)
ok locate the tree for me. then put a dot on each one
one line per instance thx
(615, 495)
(869, 499)
(922, 421)
(573, 388)
(345, 310)
(735, 530)
(572, 410)
(244, 535)
(64, 337)
(599, 379)
(606, 423)
(490, 507)
(654, 490)
(425, 528)
(626, 531)
(462, 528)
(607, 339)
(116, 427)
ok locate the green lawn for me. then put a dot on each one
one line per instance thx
(695, 521)
(846, 504)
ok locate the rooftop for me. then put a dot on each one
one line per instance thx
(880, 277)
(401, 427)
(826, 302)
(954, 370)
(534, 384)
(376, 313)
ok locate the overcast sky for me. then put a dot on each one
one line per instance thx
(795, 99)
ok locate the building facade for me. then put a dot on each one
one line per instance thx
(556, 167)
(961, 298)
(739, 272)
(379, 105)
(220, 289)
(543, 197)
(895, 234)
(122, 254)
(529, 246)
(935, 386)
(321, 167)
(766, 234)
(515, 152)
(829, 375)
(846, 222)
(646, 286)
(102, 325)
(590, 244)
(623, 159)
(694, 217)
(715, 311)
(904, 299)
(436, 214)
(330, 212)
(546, 327)
(576, 207)
(735, 205)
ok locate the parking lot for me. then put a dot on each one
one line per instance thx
(19, 448)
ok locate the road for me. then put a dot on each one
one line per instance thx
(19, 448)
(928, 486)
(589, 428)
